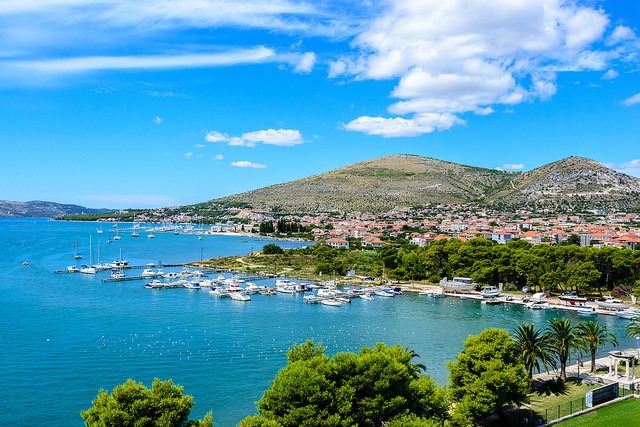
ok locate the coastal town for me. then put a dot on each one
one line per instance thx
(423, 226)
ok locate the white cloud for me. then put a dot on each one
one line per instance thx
(247, 164)
(460, 56)
(400, 127)
(306, 63)
(610, 74)
(278, 137)
(188, 155)
(157, 120)
(199, 145)
(218, 157)
(630, 168)
(214, 136)
(633, 100)
(621, 34)
(511, 167)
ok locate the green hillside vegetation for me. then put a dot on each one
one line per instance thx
(516, 264)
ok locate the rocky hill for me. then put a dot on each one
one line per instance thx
(404, 181)
(570, 184)
(40, 209)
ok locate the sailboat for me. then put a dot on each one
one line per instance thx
(77, 255)
(89, 269)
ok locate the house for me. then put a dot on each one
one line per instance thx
(337, 242)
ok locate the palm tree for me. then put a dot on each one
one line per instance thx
(535, 348)
(593, 335)
(633, 329)
(562, 334)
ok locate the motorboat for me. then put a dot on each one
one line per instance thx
(73, 269)
(366, 296)
(25, 263)
(384, 293)
(148, 273)
(628, 314)
(572, 298)
(219, 292)
(433, 294)
(489, 291)
(154, 284)
(285, 286)
(239, 296)
(538, 298)
(117, 274)
(331, 302)
(193, 286)
(151, 236)
(457, 285)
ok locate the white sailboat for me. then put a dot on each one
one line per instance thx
(89, 269)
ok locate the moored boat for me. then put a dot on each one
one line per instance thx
(489, 291)
(239, 296)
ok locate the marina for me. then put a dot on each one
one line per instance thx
(83, 334)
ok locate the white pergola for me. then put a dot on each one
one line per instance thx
(629, 359)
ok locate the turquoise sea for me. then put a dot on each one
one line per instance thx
(65, 336)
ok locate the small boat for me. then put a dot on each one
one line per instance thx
(219, 292)
(135, 234)
(73, 269)
(433, 294)
(239, 296)
(492, 301)
(489, 292)
(384, 293)
(117, 274)
(628, 314)
(151, 236)
(26, 263)
(366, 296)
(154, 284)
(148, 273)
(331, 302)
(193, 286)
(572, 298)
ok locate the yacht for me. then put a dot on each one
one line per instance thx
(86, 269)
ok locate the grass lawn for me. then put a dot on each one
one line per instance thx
(621, 414)
(553, 400)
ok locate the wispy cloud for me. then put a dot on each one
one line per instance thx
(462, 57)
(278, 137)
(630, 168)
(96, 63)
(157, 120)
(247, 164)
(610, 74)
(188, 155)
(511, 167)
(218, 157)
(633, 100)
(129, 200)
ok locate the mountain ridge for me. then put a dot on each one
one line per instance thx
(43, 209)
(401, 181)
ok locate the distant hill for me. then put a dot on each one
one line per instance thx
(404, 181)
(40, 209)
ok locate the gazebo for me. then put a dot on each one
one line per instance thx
(629, 359)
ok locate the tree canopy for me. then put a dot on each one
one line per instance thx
(133, 405)
(376, 386)
(486, 377)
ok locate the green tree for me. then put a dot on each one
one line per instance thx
(535, 349)
(371, 388)
(487, 377)
(593, 336)
(272, 249)
(133, 404)
(564, 338)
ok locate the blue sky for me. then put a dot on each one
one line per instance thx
(156, 103)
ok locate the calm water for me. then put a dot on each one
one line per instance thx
(65, 336)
